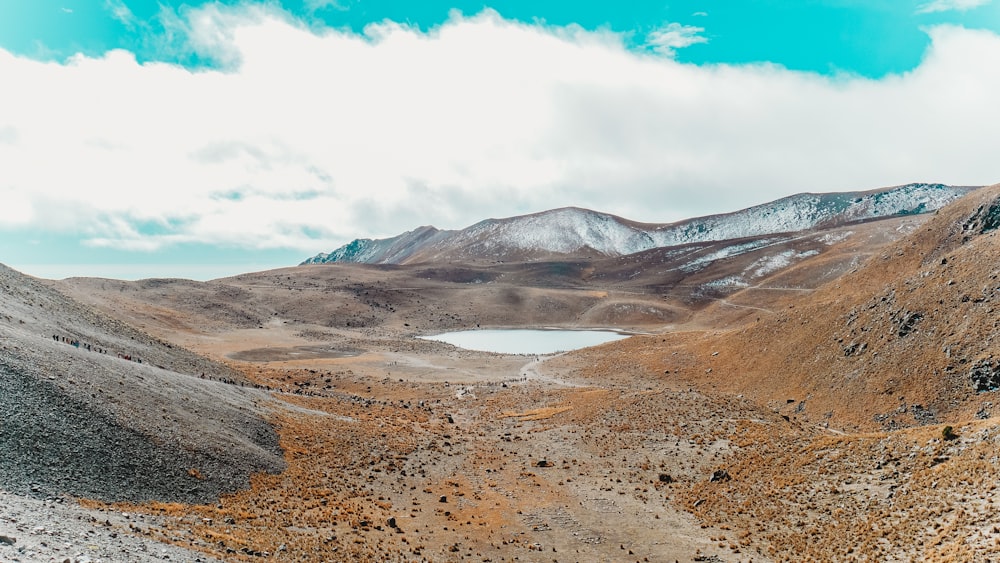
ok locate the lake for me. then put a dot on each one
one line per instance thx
(518, 341)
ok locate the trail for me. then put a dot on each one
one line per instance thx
(731, 304)
(531, 371)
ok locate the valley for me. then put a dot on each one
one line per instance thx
(785, 398)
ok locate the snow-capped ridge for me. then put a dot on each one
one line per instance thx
(575, 231)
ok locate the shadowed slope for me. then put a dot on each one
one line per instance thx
(91, 407)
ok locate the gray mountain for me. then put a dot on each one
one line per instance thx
(572, 231)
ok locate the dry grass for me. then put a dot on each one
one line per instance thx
(822, 449)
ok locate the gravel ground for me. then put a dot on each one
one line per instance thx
(74, 420)
(59, 530)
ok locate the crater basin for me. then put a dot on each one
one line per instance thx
(527, 341)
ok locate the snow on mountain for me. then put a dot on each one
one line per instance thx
(561, 231)
(572, 230)
(393, 250)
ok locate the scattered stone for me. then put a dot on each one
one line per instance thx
(855, 349)
(923, 415)
(907, 322)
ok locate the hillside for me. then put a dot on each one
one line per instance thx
(646, 291)
(580, 233)
(92, 407)
(909, 338)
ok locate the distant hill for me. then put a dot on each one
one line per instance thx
(575, 232)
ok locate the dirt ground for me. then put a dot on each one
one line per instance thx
(406, 449)
(744, 425)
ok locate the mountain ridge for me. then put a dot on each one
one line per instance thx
(579, 232)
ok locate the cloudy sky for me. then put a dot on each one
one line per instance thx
(159, 138)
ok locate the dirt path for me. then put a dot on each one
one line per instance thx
(532, 371)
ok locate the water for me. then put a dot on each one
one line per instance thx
(527, 341)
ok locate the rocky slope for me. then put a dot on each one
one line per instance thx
(910, 337)
(94, 408)
(584, 233)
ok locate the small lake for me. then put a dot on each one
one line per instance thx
(518, 341)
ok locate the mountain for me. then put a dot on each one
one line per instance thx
(393, 250)
(889, 375)
(93, 407)
(576, 232)
(909, 337)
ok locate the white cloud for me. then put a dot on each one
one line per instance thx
(950, 5)
(667, 39)
(120, 12)
(16, 210)
(323, 131)
(341, 5)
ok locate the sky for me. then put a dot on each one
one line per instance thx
(155, 138)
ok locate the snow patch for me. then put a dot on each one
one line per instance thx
(727, 252)
(727, 282)
(831, 239)
(770, 264)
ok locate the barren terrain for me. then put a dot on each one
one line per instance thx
(785, 402)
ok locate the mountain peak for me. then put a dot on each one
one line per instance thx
(568, 232)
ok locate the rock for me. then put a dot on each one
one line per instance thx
(543, 463)
(854, 349)
(907, 322)
(985, 376)
(719, 475)
(444, 498)
(7, 540)
(984, 220)
(392, 522)
(664, 478)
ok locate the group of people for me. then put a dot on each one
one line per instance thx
(90, 348)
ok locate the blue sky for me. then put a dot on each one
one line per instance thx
(199, 139)
(870, 38)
